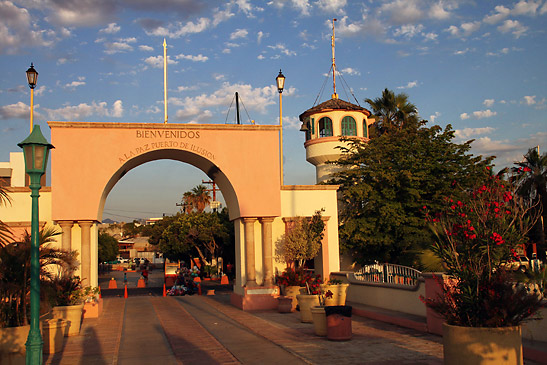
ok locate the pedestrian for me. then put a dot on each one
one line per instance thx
(125, 278)
(144, 274)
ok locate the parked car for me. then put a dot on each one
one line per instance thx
(521, 263)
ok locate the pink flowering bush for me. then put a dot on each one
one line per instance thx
(476, 237)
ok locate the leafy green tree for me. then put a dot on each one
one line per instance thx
(108, 247)
(302, 242)
(530, 175)
(386, 182)
(203, 234)
(130, 229)
(392, 112)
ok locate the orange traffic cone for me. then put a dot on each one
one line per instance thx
(164, 292)
(125, 292)
(199, 289)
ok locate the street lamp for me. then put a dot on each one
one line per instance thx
(280, 80)
(36, 150)
(32, 77)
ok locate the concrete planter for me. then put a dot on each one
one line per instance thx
(12, 344)
(72, 314)
(306, 302)
(339, 292)
(53, 333)
(482, 345)
(293, 291)
(319, 320)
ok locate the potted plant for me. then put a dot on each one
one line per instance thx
(338, 290)
(69, 301)
(300, 243)
(481, 301)
(292, 283)
(15, 288)
(318, 313)
(309, 299)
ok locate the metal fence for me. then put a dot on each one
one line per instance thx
(388, 273)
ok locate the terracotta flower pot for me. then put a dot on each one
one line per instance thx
(284, 304)
(306, 302)
(339, 322)
(319, 320)
(482, 345)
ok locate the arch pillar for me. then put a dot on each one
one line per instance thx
(66, 227)
(85, 254)
(267, 258)
(250, 270)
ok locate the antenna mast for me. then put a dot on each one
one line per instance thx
(335, 95)
(165, 79)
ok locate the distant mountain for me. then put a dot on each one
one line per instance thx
(108, 220)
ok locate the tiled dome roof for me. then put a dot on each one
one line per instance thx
(334, 104)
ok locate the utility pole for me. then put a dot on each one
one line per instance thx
(214, 189)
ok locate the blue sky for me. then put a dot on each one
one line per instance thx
(478, 65)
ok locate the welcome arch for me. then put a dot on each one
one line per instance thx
(90, 158)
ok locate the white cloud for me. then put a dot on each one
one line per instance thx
(480, 114)
(157, 61)
(146, 48)
(526, 7)
(464, 116)
(117, 47)
(74, 84)
(488, 102)
(433, 117)
(117, 109)
(18, 110)
(283, 49)
(259, 37)
(260, 57)
(303, 6)
(239, 33)
(177, 30)
(257, 99)
(247, 8)
(471, 132)
(500, 13)
(409, 85)
(462, 51)
(501, 51)
(112, 28)
(402, 11)
(17, 30)
(438, 11)
(365, 27)
(198, 58)
(514, 27)
(530, 100)
(464, 30)
(331, 6)
(81, 13)
(408, 30)
(350, 71)
(83, 111)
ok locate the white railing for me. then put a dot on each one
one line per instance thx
(388, 273)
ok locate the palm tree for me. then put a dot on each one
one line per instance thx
(393, 111)
(530, 175)
(15, 274)
(188, 202)
(201, 197)
(5, 233)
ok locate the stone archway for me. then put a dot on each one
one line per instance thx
(89, 158)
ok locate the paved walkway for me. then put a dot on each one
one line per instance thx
(208, 330)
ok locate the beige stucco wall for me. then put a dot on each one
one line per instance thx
(388, 296)
(89, 158)
(17, 165)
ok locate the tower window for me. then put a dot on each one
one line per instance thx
(349, 127)
(325, 127)
(365, 128)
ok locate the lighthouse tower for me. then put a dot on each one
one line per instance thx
(325, 123)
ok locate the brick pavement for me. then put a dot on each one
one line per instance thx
(143, 330)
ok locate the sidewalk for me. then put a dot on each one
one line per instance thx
(208, 330)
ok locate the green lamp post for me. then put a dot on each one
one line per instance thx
(36, 150)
